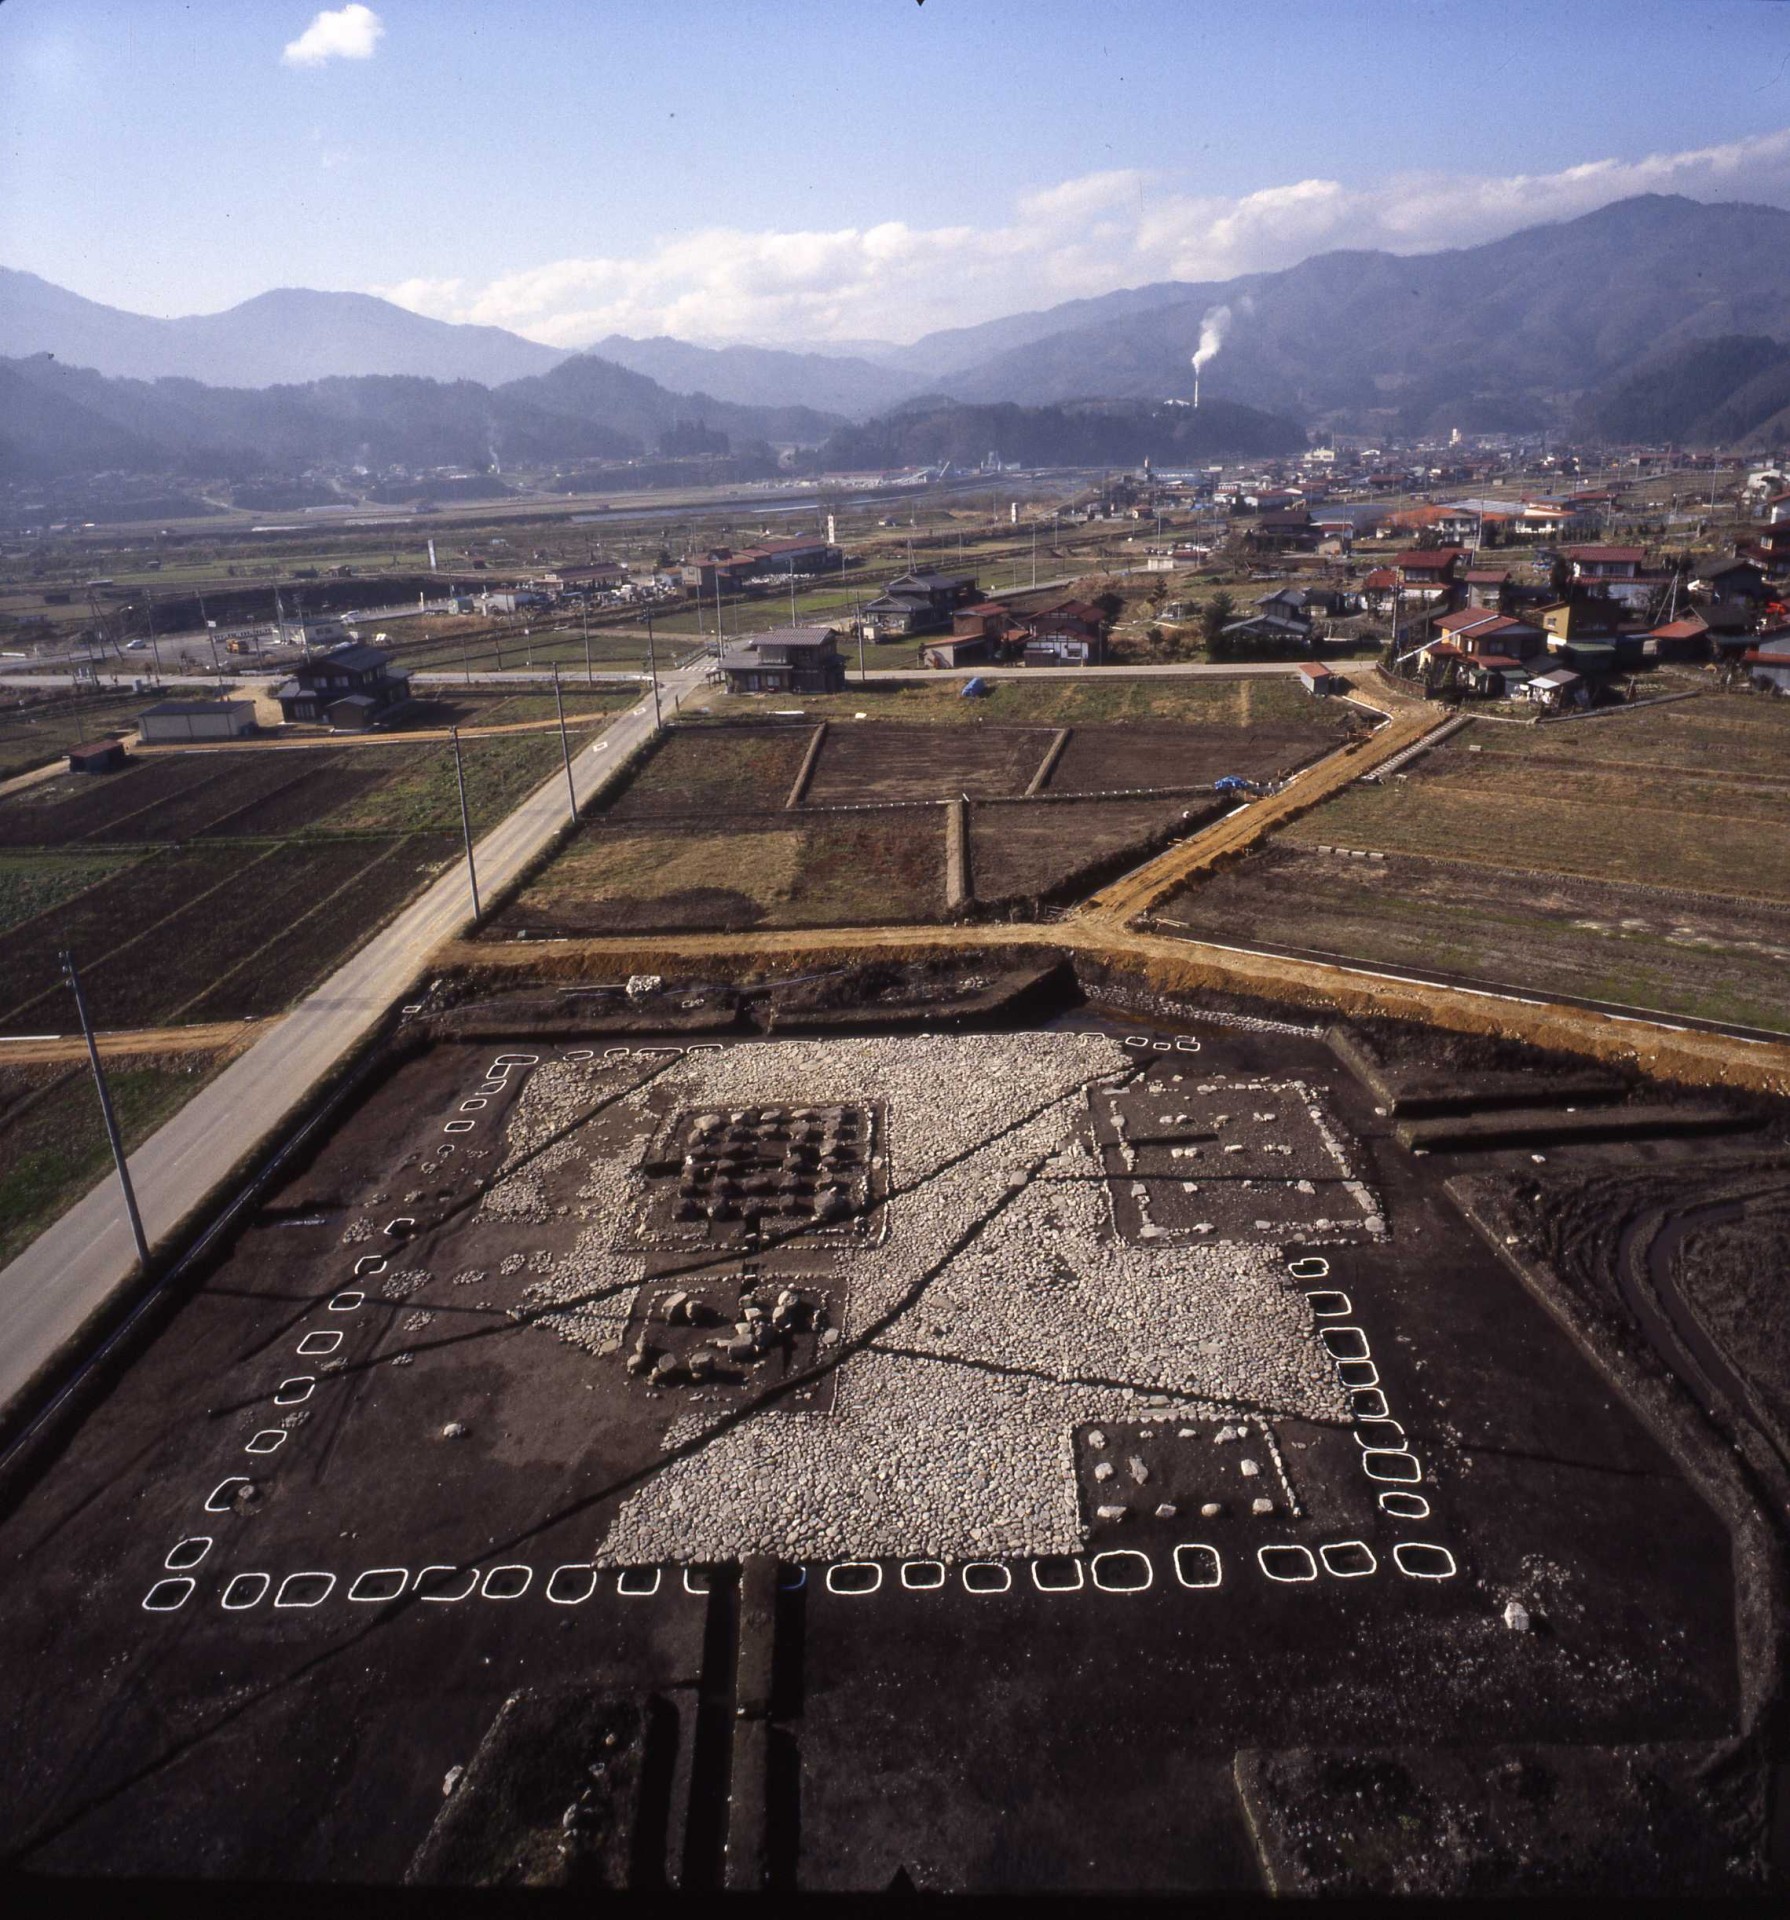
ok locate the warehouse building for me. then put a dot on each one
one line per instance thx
(175, 723)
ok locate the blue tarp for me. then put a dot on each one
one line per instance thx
(973, 686)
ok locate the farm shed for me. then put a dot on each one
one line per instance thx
(1554, 690)
(1770, 662)
(959, 650)
(177, 722)
(1318, 680)
(97, 756)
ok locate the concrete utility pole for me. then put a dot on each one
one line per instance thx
(105, 1107)
(472, 872)
(565, 745)
(155, 652)
(652, 669)
(590, 679)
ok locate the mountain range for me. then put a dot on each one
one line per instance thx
(58, 420)
(1548, 328)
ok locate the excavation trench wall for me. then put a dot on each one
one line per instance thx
(1165, 967)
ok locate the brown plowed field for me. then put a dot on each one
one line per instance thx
(715, 772)
(1033, 853)
(129, 903)
(326, 925)
(863, 764)
(787, 870)
(159, 974)
(1116, 759)
(1714, 958)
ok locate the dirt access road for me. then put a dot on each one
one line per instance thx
(49, 1293)
(49, 1049)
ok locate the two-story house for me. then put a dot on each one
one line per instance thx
(350, 688)
(786, 660)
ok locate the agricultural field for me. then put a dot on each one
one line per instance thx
(52, 1142)
(35, 732)
(703, 835)
(1241, 701)
(858, 869)
(222, 884)
(1638, 860)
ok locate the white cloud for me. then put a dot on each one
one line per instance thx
(1079, 237)
(347, 33)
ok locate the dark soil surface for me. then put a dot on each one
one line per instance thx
(1038, 853)
(1734, 1268)
(760, 870)
(1023, 1739)
(237, 933)
(237, 878)
(860, 765)
(1114, 759)
(714, 771)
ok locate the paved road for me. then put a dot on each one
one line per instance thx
(49, 1292)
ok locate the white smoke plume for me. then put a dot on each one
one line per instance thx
(1213, 328)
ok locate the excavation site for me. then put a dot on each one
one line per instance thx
(950, 1429)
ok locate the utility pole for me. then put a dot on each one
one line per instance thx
(105, 1107)
(155, 652)
(584, 615)
(863, 671)
(652, 669)
(565, 745)
(472, 873)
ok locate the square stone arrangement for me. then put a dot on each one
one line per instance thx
(1191, 1155)
(732, 1176)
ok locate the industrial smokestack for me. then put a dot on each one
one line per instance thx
(1213, 328)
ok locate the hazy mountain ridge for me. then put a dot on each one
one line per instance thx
(57, 420)
(286, 336)
(1729, 390)
(1536, 330)
(764, 376)
(1108, 434)
(1514, 327)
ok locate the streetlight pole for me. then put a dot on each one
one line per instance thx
(472, 872)
(105, 1107)
(565, 745)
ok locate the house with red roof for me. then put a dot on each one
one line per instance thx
(1428, 574)
(1475, 630)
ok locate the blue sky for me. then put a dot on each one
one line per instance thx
(820, 170)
